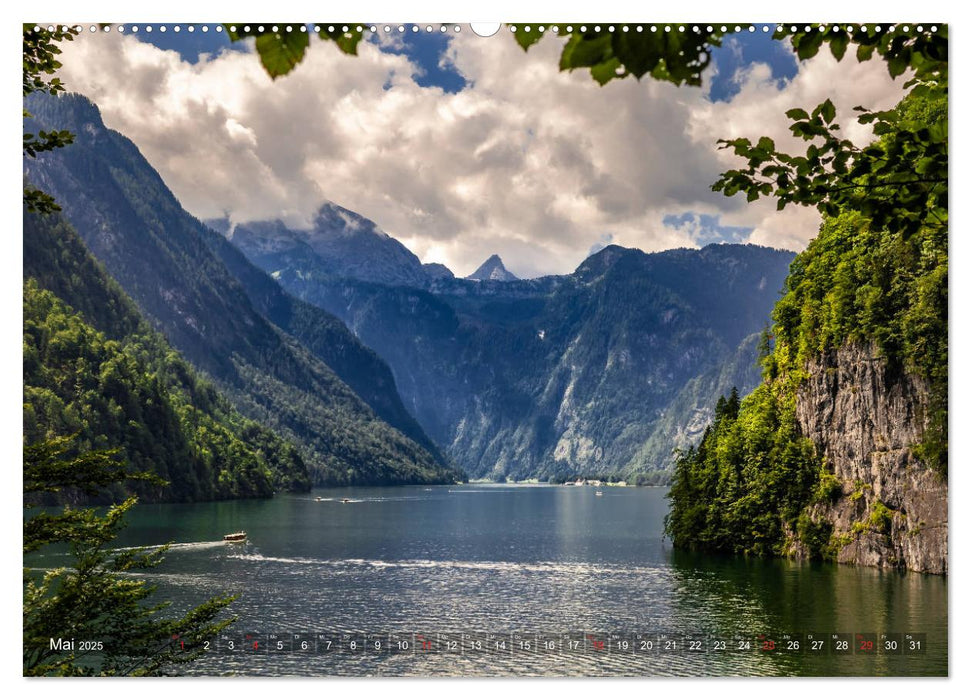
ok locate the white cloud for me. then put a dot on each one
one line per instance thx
(529, 162)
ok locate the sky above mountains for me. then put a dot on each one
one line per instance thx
(462, 146)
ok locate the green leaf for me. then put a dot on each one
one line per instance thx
(281, 52)
(606, 71)
(828, 111)
(526, 39)
(925, 165)
(346, 41)
(898, 64)
(797, 114)
(864, 52)
(837, 45)
(583, 51)
(807, 45)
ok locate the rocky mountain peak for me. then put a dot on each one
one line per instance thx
(493, 269)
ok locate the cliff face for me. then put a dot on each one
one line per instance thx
(866, 419)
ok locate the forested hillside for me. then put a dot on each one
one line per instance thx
(95, 369)
(327, 338)
(159, 255)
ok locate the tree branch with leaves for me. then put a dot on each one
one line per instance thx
(96, 598)
(40, 64)
(898, 182)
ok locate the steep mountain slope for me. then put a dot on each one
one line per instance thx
(841, 452)
(870, 421)
(162, 257)
(328, 339)
(492, 269)
(94, 367)
(683, 421)
(564, 374)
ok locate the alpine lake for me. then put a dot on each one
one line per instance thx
(520, 580)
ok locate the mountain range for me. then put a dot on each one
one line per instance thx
(605, 370)
(177, 271)
(381, 369)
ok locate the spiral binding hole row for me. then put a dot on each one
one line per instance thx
(513, 28)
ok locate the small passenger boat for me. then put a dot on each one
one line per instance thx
(235, 537)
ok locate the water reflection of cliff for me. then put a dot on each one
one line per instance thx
(726, 595)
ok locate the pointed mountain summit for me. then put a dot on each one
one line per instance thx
(493, 269)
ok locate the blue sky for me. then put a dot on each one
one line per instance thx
(426, 51)
(739, 51)
(189, 44)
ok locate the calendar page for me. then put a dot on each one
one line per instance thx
(438, 349)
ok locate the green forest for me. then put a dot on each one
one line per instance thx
(97, 371)
(748, 484)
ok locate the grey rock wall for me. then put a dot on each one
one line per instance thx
(866, 419)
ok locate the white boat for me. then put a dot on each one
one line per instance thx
(600, 493)
(235, 537)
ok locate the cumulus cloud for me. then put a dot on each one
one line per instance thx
(538, 165)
